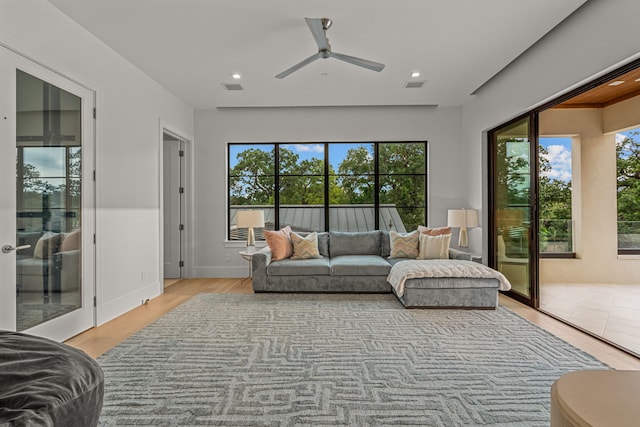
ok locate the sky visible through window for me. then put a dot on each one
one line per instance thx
(559, 155)
(49, 162)
(627, 134)
(306, 151)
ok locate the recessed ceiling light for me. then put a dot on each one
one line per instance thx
(616, 83)
(236, 76)
(415, 74)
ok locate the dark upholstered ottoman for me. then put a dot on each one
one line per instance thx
(45, 383)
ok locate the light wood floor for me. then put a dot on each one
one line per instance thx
(98, 340)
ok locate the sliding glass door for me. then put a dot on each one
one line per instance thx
(512, 201)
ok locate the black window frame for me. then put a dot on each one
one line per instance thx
(326, 203)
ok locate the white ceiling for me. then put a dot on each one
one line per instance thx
(193, 46)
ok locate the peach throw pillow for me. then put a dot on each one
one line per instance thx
(279, 242)
(438, 231)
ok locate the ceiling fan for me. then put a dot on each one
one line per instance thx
(319, 27)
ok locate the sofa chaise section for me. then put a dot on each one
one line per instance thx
(443, 292)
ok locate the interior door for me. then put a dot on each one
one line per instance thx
(46, 201)
(173, 195)
(512, 200)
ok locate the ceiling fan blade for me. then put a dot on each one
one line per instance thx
(317, 30)
(375, 66)
(299, 65)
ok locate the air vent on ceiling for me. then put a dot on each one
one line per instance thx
(414, 85)
(232, 86)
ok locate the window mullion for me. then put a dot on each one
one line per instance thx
(326, 186)
(276, 187)
(376, 186)
(426, 185)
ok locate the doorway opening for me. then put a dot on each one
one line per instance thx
(591, 281)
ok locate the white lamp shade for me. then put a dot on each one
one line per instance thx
(249, 219)
(455, 218)
(462, 218)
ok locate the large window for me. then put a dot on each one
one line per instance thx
(329, 186)
(628, 190)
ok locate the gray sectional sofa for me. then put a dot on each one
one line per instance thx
(351, 262)
(359, 263)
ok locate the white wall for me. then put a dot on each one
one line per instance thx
(599, 37)
(130, 108)
(214, 128)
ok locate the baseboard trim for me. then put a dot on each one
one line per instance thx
(110, 310)
(222, 272)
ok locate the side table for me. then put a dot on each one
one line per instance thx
(247, 254)
(596, 399)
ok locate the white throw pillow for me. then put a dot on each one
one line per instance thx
(434, 247)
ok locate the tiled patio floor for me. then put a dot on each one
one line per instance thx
(607, 310)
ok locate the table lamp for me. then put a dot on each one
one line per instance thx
(250, 219)
(462, 218)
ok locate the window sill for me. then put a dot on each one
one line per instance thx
(237, 244)
(557, 255)
(629, 256)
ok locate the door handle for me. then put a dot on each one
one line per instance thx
(8, 248)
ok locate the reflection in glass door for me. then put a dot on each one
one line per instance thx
(48, 201)
(512, 201)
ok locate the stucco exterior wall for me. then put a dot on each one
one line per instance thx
(594, 194)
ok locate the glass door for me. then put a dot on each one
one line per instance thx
(512, 201)
(47, 211)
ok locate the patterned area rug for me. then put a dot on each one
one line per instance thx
(327, 359)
